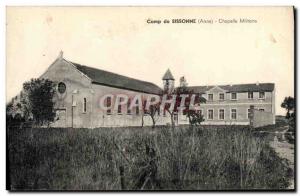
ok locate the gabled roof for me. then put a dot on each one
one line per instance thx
(267, 87)
(168, 75)
(106, 78)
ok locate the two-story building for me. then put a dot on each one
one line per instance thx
(230, 104)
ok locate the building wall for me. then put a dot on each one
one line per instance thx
(261, 118)
(80, 87)
(241, 104)
(100, 117)
(77, 85)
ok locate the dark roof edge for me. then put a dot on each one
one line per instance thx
(209, 87)
(109, 72)
(220, 85)
(98, 83)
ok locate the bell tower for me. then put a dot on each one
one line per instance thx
(168, 81)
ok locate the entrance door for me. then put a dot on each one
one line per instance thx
(175, 118)
(60, 119)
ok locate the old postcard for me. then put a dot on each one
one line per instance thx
(150, 98)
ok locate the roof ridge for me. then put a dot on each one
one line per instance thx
(111, 72)
(108, 78)
(231, 84)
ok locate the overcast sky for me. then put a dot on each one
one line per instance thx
(120, 40)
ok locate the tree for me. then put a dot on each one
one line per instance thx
(195, 118)
(153, 112)
(289, 105)
(38, 101)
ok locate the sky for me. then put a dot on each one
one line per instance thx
(119, 39)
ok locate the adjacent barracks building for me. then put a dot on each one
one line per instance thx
(80, 87)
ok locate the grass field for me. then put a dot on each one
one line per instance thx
(183, 158)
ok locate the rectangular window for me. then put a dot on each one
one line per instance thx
(210, 97)
(120, 106)
(137, 109)
(221, 114)
(200, 112)
(261, 95)
(233, 96)
(84, 105)
(108, 105)
(249, 113)
(261, 109)
(144, 107)
(128, 106)
(221, 96)
(250, 95)
(210, 114)
(233, 114)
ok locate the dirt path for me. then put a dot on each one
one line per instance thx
(284, 150)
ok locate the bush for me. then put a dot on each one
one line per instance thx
(184, 158)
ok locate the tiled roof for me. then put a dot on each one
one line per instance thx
(106, 78)
(267, 87)
(168, 75)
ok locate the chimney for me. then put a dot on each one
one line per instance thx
(183, 82)
(61, 54)
(257, 83)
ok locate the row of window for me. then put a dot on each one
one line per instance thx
(233, 96)
(210, 112)
(221, 114)
(119, 110)
(109, 111)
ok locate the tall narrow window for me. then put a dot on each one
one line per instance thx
(84, 105)
(261, 95)
(120, 106)
(144, 106)
(128, 106)
(233, 114)
(210, 114)
(221, 96)
(250, 95)
(221, 114)
(210, 97)
(249, 113)
(108, 105)
(233, 96)
(137, 109)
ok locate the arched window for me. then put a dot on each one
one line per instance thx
(84, 105)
